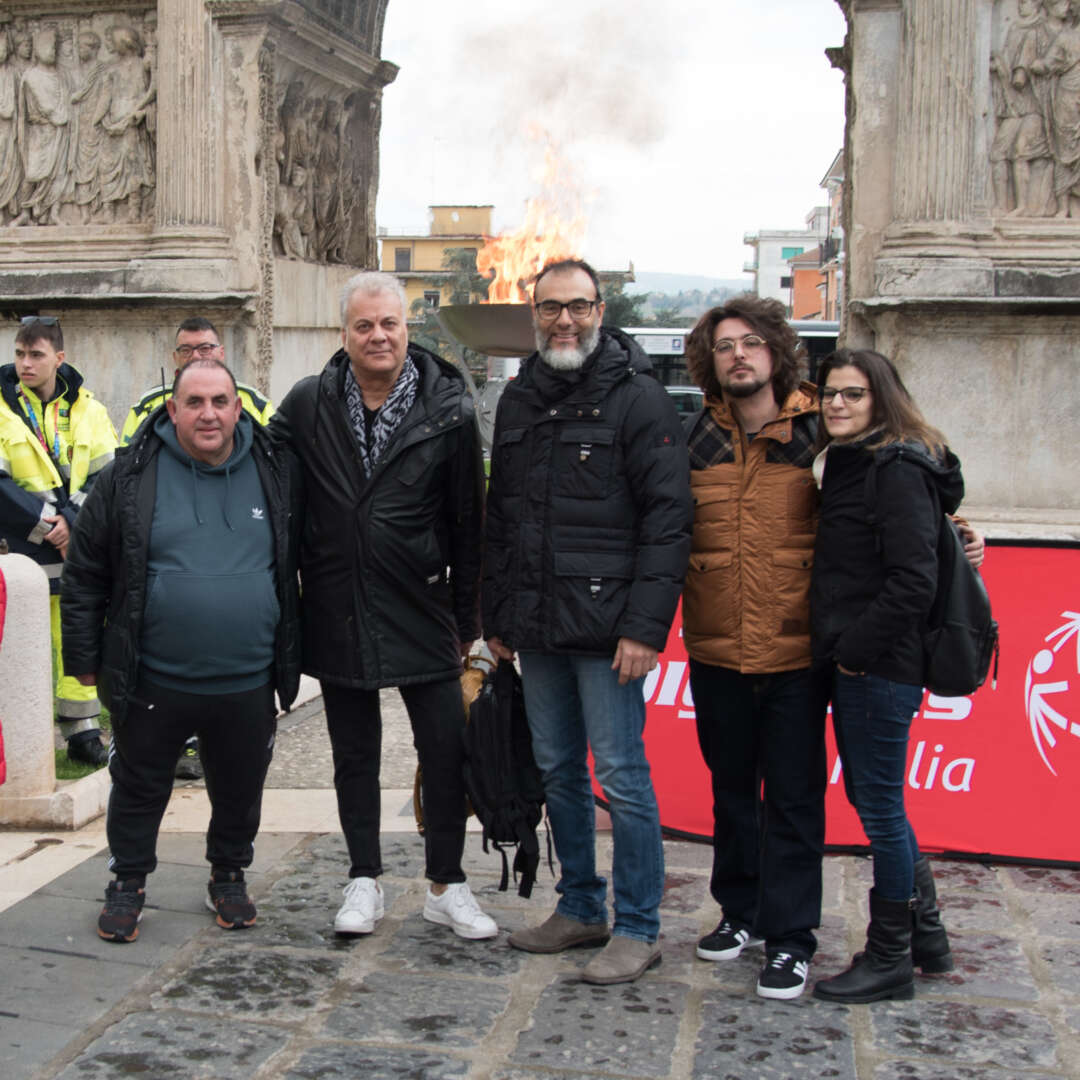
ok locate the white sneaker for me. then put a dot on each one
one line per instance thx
(362, 909)
(458, 909)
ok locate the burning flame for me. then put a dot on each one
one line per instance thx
(554, 228)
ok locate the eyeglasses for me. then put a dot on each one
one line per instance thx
(552, 309)
(205, 349)
(44, 320)
(850, 394)
(725, 346)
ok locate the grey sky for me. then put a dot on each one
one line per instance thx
(682, 125)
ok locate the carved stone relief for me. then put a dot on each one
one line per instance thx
(77, 119)
(319, 173)
(1035, 77)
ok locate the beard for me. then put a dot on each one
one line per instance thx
(569, 359)
(743, 389)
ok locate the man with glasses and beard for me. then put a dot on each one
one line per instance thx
(587, 540)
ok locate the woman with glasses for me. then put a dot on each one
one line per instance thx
(886, 477)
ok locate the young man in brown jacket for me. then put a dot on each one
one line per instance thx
(746, 622)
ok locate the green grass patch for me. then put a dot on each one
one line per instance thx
(66, 769)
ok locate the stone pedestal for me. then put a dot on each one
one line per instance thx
(964, 222)
(31, 796)
(192, 154)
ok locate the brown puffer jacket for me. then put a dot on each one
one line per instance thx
(746, 601)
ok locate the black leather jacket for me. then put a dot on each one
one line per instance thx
(589, 508)
(104, 581)
(390, 565)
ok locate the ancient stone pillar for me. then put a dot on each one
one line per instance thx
(962, 157)
(935, 140)
(189, 120)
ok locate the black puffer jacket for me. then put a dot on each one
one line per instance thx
(874, 581)
(104, 591)
(589, 509)
(390, 565)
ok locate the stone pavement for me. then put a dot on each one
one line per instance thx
(287, 999)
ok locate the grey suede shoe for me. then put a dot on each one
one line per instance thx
(559, 933)
(622, 960)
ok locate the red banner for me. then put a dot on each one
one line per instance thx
(996, 773)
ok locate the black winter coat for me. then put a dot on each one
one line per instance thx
(390, 566)
(104, 581)
(589, 509)
(874, 582)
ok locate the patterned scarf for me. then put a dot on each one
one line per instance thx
(387, 418)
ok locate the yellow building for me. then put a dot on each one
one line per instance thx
(418, 259)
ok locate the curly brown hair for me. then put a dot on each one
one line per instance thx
(768, 318)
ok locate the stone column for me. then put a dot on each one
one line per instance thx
(189, 110)
(934, 178)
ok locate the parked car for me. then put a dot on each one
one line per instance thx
(688, 399)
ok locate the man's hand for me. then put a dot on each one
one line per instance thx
(633, 659)
(499, 650)
(87, 680)
(974, 545)
(59, 534)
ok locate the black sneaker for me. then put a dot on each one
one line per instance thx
(783, 977)
(726, 942)
(189, 766)
(87, 748)
(119, 918)
(227, 897)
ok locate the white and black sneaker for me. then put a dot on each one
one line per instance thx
(726, 942)
(783, 977)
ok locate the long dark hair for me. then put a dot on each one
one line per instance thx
(895, 416)
(764, 316)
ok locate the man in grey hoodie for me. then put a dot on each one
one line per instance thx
(182, 610)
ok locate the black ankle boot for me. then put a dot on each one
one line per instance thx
(883, 970)
(87, 747)
(929, 943)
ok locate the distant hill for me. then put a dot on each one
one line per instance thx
(652, 281)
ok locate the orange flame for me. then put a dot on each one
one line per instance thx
(554, 228)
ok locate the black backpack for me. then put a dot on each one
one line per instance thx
(959, 635)
(501, 777)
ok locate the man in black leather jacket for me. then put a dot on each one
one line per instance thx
(587, 543)
(390, 568)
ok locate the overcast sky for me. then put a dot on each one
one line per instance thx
(683, 125)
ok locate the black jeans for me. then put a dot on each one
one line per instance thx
(355, 725)
(763, 739)
(236, 742)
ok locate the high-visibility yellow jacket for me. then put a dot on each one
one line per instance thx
(260, 409)
(33, 483)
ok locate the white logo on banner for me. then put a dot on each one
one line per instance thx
(1042, 715)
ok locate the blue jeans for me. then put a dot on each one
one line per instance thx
(871, 718)
(575, 703)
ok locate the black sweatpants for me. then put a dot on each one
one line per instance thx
(236, 742)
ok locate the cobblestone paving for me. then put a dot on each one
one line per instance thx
(413, 1002)
(290, 999)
